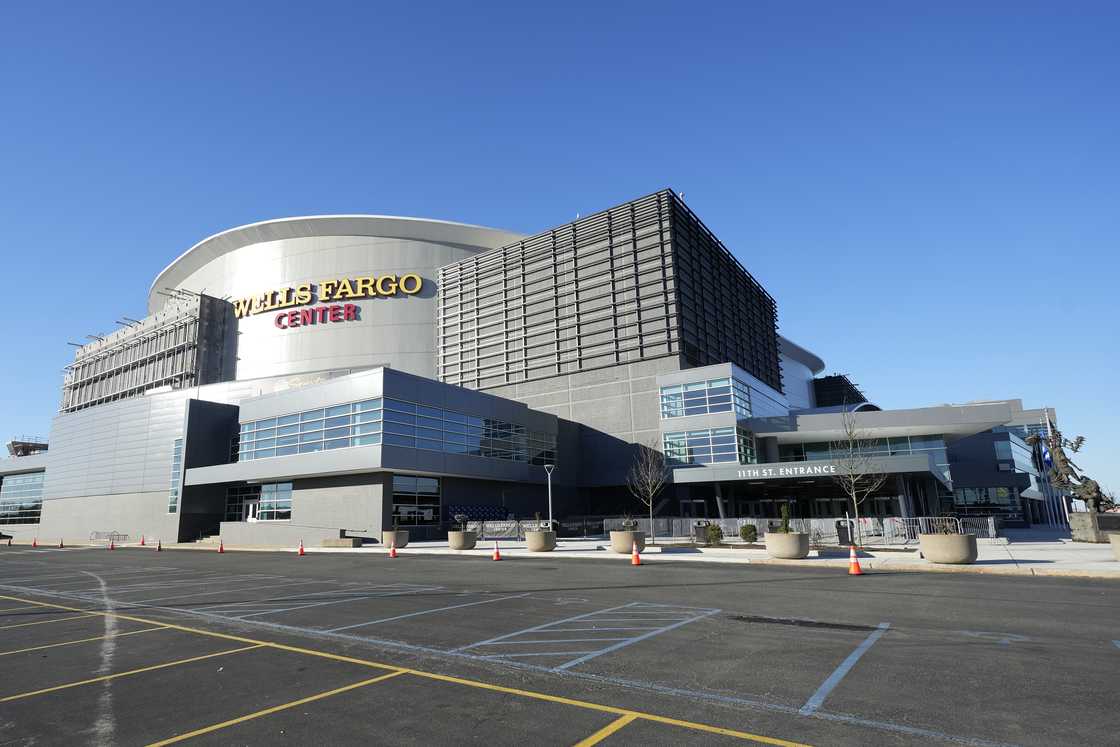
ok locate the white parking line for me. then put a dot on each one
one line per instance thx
(612, 614)
(362, 598)
(425, 612)
(817, 698)
(190, 596)
(98, 571)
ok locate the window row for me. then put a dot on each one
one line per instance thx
(710, 446)
(176, 476)
(395, 423)
(704, 397)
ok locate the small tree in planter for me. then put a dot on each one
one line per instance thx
(855, 467)
(396, 536)
(646, 478)
(461, 539)
(623, 540)
(541, 539)
(748, 533)
(785, 543)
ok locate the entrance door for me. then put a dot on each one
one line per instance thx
(694, 509)
(249, 509)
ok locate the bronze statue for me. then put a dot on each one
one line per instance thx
(1066, 475)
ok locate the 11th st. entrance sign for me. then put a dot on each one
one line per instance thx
(793, 470)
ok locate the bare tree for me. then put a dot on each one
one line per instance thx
(646, 479)
(855, 467)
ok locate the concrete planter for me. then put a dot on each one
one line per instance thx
(462, 540)
(541, 541)
(791, 546)
(398, 538)
(622, 541)
(1114, 538)
(950, 549)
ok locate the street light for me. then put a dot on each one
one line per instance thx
(548, 471)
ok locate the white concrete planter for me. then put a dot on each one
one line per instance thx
(788, 546)
(541, 541)
(1114, 538)
(462, 540)
(398, 538)
(622, 541)
(949, 549)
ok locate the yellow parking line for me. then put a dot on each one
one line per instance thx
(44, 622)
(442, 678)
(609, 709)
(275, 709)
(128, 673)
(14, 609)
(606, 731)
(80, 640)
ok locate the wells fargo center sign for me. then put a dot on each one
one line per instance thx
(325, 292)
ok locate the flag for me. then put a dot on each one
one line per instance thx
(1046, 455)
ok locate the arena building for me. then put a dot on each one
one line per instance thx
(325, 377)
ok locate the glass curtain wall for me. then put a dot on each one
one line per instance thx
(394, 422)
(21, 498)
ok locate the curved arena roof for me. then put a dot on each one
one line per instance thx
(388, 226)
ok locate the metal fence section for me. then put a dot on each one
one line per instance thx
(115, 537)
(889, 530)
(499, 530)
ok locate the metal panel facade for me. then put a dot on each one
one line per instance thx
(594, 293)
(642, 280)
(726, 315)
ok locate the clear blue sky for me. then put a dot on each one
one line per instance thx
(930, 191)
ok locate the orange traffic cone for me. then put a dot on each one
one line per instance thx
(142, 543)
(497, 553)
(853, 563)
(159, 545)
(59, 543)
(635, 558)
(300, 553)
(221, 545)
(392, 549)
(35, 542)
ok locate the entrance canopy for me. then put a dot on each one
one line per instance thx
(950, 422)
(809, 471)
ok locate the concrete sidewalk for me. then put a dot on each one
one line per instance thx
(1029, 558)
(1016, 558)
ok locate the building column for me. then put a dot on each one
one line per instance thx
(904, 507)
(719, 500)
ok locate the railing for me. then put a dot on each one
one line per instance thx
(115, 537)
(890, 530)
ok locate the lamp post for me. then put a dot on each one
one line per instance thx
(548, 471)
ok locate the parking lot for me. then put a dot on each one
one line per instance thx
(138, 647)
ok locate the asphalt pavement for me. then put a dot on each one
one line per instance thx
(138, 647)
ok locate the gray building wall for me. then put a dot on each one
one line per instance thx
(610, 410)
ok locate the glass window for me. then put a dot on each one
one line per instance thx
(416, 500)
(702, 397)
(404, 423)
(173, 493)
